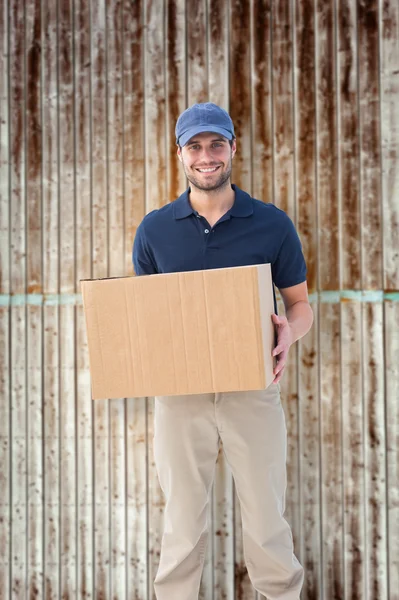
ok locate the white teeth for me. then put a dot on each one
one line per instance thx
(207, 170)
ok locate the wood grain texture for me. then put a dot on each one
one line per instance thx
(309, 545)
(391, 326)
(116, 233)
(389, 110)
(370, 144)
(155, 178)
(84, 406)
(18, 427)
(261, 102)
(331, 452)
(305, 136)
(197, 52)
(100, 268)
(353, 444)
(89, 97)
(348, 146)
(375, 444)
(5, 358)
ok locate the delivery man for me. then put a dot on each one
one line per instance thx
(214, 224)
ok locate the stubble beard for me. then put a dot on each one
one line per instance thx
(220, 183)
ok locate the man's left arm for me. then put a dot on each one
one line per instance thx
(296, 323)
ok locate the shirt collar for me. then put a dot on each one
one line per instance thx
(242, 206)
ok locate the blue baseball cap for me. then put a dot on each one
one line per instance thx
(200, 118)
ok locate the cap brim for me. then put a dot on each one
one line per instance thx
(186, 137)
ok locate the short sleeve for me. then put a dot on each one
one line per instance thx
(289, 268)
(143, 261)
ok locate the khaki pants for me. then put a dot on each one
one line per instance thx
(252, 428)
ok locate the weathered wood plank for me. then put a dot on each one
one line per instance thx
(389, 103)
(51, 364)
(218, 53)
(18, 311)
(348, 147)
(309, 447)
(67, 311)
(84, 405)
(305, 136)
(370, 144)
(138, 584)
(375, 455)
(134, 182)
(284, 198)
(100, 266)
(155, 122)
(34, 532)
(5, 366)
(327, 181)
(5, 452)
(197, 52)
(156, 190)
(133, 123)
(240, 112)
(114, 24)
(391, 323)
(353, 450)
(240, 90)
(331, 452)
(261, 104)
(176, 93)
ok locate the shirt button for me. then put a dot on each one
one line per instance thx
(206, 230)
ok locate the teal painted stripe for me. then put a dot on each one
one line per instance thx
(40, 299)
(325, 297)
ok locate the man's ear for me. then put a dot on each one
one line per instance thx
(234, 147)
(179, 153)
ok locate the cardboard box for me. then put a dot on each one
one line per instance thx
(180, 333)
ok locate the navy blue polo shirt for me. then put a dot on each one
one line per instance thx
(176, 238)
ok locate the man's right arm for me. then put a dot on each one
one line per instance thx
(143, 261)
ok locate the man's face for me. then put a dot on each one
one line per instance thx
(206, 160)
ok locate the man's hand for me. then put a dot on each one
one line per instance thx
(284, 341)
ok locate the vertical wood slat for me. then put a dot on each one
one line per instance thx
(309, 432)
(353, 450)
(51, 342)
(197, 59)
(284, 198)
(66, 200)
(389, 115)
(329, 313)
(137, 557)
(18, 311)
(155, 187)
(100, 268)
(375, 471)
(391, 326)
(261, 105)
(5, 358)
(34, 313)
(84, 405)
(240, 110)
(370, 145)
(114, 126)
(308, 348)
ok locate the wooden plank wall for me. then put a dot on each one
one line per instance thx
(89, 96)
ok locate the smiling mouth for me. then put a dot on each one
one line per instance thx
(209, 170)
